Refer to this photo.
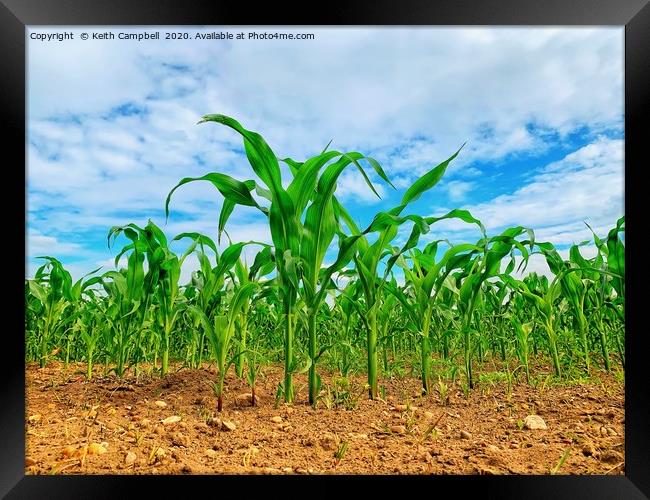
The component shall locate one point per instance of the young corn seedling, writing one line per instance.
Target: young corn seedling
(340, 452)
(220, 333)
(560, 463)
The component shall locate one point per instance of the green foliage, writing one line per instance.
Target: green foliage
(458, 305)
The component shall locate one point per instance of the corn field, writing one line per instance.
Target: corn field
(385, 300)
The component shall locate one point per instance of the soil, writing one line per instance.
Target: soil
(111, 426)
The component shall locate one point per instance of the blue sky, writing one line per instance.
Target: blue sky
(112, 128)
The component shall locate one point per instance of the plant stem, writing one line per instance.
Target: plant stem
(426, 352)
(311, 327)
(288, 346)
(372, 355)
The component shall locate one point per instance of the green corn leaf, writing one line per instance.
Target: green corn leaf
(232, 189)
(427, 181)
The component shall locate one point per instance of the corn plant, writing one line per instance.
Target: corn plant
(53, 292)
(299, 247)
(220, 332)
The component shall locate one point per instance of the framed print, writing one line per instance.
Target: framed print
(386, 245)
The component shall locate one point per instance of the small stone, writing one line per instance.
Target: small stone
(215, 422)
(29, 462)
(603, 431)
(161, 404)
(276, 420)
(130, 458)
(398, 429)
(287, 470)
(34, 418)
(210, 453)
(493, 448)
(429, 415)
(171, 420)
(534, 422)
(400, 408)
(111, 426)
(228, 426)
(160, 453)
(465, 435)
(611, 432)
(355, 435)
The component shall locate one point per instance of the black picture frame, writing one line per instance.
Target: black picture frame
(15, 15)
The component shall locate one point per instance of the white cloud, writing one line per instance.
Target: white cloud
(40, 244)
(352, 186)
(537, 263)
(586, 185)
(458, 190)
(409, 97)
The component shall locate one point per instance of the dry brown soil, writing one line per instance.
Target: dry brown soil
(111, 426)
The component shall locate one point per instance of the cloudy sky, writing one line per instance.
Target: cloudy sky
(112, 128)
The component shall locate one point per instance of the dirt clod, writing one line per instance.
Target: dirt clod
(180, 439)
(244, 399)
(611, 457)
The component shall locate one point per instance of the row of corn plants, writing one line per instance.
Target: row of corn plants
(325, 290)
